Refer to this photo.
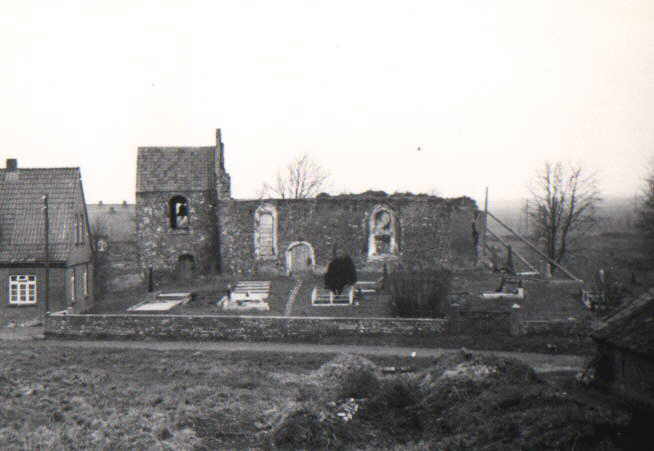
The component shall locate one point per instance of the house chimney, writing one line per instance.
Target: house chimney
(12, 164)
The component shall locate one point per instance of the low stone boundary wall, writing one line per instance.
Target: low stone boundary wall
(275, 328)
(562, 328)
(238, 328)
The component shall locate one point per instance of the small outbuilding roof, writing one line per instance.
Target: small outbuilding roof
(22, 223)
(631, 327)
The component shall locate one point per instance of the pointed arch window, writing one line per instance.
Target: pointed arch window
(382, 239)
(178, 212)
(265, 232)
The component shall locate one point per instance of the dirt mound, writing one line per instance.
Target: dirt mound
(464, 401)
(347, 376)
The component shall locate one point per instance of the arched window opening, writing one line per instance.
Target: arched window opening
(265, 231)
(178, 212)
(383, 233)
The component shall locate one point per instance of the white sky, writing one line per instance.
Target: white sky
(488, 89)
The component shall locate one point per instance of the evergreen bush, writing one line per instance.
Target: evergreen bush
(341, 272)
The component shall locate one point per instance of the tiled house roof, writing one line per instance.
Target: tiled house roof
(21, 213)
(175, 168)
(631, 327)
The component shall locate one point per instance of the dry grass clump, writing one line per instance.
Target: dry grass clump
(464, 401)
(329, 399)
(346, 376)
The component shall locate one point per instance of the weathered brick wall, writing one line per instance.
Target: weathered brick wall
(160, 246)
(431, 231)
(241, 328)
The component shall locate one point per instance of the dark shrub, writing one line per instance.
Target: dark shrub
(419, 294)
(340, 273)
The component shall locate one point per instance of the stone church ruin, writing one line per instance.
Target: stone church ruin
(188, 223)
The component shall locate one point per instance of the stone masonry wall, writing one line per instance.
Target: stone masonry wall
(278, 328)
(160, 246)
(427, 229)
(243, 328)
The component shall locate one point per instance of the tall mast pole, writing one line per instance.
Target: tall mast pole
(46, 230)
(483, 236)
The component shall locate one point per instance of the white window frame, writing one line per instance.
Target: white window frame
(25, 283)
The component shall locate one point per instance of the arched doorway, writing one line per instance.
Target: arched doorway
(186, 266)
(300, 257)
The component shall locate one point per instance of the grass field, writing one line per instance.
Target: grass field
(57, 397)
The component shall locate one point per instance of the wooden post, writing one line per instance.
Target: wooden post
(46, 230)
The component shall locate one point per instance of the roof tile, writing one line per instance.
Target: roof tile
(21, 213)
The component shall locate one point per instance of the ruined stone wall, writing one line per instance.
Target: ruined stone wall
(430, 231)
(160, 246)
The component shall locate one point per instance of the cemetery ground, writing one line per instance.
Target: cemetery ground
(58, 396)
(545, 301)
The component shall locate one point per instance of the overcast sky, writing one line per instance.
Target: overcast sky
(487, 89)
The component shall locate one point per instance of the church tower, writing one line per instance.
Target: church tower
(178, 190)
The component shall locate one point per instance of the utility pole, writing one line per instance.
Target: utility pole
(46, 228)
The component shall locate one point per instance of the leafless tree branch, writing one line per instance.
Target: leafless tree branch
(302, 178)
(565, 197)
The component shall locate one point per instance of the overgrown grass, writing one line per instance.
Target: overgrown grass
(464, 401)
(57, 397)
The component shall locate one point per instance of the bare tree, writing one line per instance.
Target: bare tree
(301, 179)
(565, 197)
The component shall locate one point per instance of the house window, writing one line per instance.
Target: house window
(178, 212)
(22, 290)
(382, 240)
(265, 231)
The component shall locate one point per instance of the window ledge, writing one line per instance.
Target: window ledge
(264, 258)
(23, 304)
(383, 257)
